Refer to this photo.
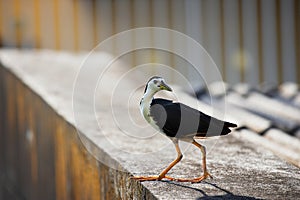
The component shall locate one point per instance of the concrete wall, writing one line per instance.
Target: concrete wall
(41, 156)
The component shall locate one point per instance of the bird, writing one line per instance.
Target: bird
(178, 122)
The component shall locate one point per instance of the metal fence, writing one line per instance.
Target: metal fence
(252, 41)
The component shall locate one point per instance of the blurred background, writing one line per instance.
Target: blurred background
(251, 41)
(256, 42)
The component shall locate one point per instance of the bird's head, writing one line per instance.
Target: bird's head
(156, 84)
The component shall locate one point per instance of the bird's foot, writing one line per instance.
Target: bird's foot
(152, 178)
(195, 180)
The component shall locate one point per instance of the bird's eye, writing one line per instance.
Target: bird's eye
(155, 82)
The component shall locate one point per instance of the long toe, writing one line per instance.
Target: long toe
(191, 180)
(201, 178)
(194, 180)
(198, 180)
(145, 178)
(209, 175)
(170, 178)
(152, 178)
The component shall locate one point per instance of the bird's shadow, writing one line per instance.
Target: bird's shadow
(228, 195)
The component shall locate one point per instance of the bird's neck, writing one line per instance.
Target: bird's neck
(148, 96)
(146, 103)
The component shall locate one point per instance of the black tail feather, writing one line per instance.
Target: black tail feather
(228, 124)
(226, 127)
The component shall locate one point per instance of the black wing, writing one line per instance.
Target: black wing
(182, 121)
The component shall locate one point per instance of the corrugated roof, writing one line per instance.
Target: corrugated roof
(272, 113)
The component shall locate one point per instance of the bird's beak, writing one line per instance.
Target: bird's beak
(164, 86)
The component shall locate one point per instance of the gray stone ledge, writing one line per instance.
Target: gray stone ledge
(241, 169)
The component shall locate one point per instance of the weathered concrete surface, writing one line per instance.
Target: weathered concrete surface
(241, 169)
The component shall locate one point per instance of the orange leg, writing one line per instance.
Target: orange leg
(165, 171)
(205, 172)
